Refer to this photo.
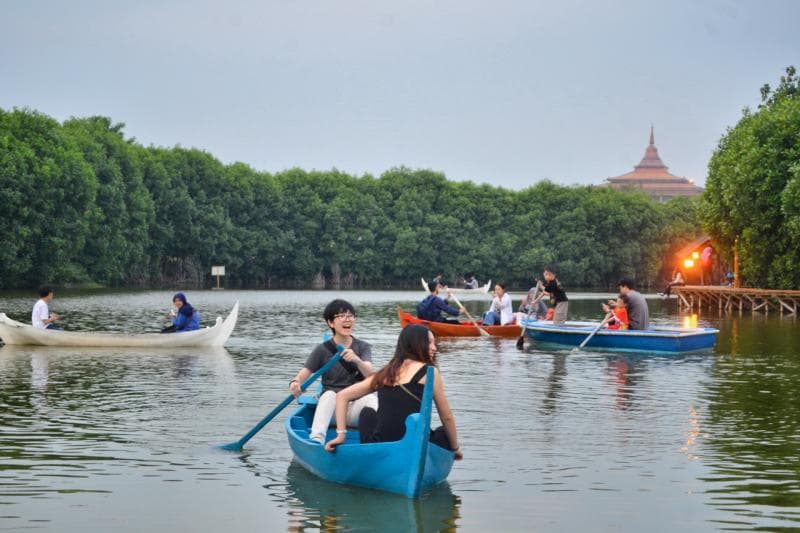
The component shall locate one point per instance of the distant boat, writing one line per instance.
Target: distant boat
(407, 467)
(13, 332)
(658, 339)
(480, 290)
(463, 329)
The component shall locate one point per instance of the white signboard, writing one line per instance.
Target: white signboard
(217, 270)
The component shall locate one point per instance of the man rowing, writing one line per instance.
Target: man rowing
(432, 307)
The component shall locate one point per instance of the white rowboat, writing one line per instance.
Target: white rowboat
(480, 290)
(13, 332)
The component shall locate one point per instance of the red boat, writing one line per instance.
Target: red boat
(463, 329)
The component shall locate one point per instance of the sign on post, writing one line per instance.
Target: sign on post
(218, 271)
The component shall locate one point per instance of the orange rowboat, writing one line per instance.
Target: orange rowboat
(464, 329)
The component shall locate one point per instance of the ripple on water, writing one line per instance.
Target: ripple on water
(553, 439)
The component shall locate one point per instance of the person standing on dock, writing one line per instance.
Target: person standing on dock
(638, 313)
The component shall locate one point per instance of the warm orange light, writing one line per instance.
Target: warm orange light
(695, 255)
(690, 321)
(688, 263)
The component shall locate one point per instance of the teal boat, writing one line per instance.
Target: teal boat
(658, 339)
(407, 467)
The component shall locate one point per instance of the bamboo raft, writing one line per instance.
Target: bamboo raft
(731, 298)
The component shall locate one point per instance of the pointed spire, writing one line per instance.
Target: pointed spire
(651, 159)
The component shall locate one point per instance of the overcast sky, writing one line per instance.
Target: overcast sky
(503, 92)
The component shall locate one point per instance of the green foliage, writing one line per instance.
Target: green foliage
(753, 188)
(81, 202)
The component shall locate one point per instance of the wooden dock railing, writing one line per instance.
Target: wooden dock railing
(730, 298)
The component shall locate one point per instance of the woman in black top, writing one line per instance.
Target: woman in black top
(399, 385)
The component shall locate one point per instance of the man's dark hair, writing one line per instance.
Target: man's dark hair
(551, 269)
(44, 290)
(626, 282)
(433, 285)
(336, 307)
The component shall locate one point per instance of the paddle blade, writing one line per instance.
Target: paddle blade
(521, 343)
(231, 447)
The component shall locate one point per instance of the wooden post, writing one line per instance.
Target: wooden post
(736, 283)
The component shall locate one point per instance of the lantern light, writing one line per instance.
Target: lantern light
(688, 263)
(695, 255)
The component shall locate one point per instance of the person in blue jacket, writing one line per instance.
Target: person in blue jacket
(432, 307)
(187, 317)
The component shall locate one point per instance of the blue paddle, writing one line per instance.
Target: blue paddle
(237, 446)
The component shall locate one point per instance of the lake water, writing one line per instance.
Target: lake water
(124, 439)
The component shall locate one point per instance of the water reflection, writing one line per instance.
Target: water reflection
(625, 371)
(315, 504)
(555, 440)
(554, 382)
(752, 430)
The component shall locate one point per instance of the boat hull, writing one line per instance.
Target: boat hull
(407, 467)
(17, 333)
(664, 340)
(464, 329)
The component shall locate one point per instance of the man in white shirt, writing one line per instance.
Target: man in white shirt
(41, 317)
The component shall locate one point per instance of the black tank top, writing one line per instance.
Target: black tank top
(394, 406)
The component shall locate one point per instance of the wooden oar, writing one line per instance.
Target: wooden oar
(608, 317)
(483, 332)
(237, 446)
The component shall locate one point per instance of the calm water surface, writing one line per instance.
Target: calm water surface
(123, 439)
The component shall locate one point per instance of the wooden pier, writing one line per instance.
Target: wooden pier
(730, 298)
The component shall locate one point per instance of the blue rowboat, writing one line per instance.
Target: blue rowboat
(658, 339)
(407, 467)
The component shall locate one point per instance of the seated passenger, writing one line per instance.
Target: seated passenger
(471, 282)
(432, 307)
(399, 385)
(501, 311)
(527, 305)
(619, 312)
(187, 317)
(41, 318)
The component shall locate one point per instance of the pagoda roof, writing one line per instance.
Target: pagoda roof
(653, 175)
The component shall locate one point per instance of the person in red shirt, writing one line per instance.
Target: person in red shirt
(620, 311)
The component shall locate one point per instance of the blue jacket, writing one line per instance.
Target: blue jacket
(185, 322)
(431, 308)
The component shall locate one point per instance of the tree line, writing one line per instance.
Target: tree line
(752, 197)
(81, 202)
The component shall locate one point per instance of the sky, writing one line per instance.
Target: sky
(500, 92)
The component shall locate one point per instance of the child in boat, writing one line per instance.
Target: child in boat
(556, 293)
(399, 386)
(620, 312)
(354, 366)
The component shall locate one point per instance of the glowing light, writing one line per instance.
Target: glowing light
(695, 255)
(690, 321)
(688, 263)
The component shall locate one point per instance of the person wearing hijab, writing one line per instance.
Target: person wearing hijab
(187, 317)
